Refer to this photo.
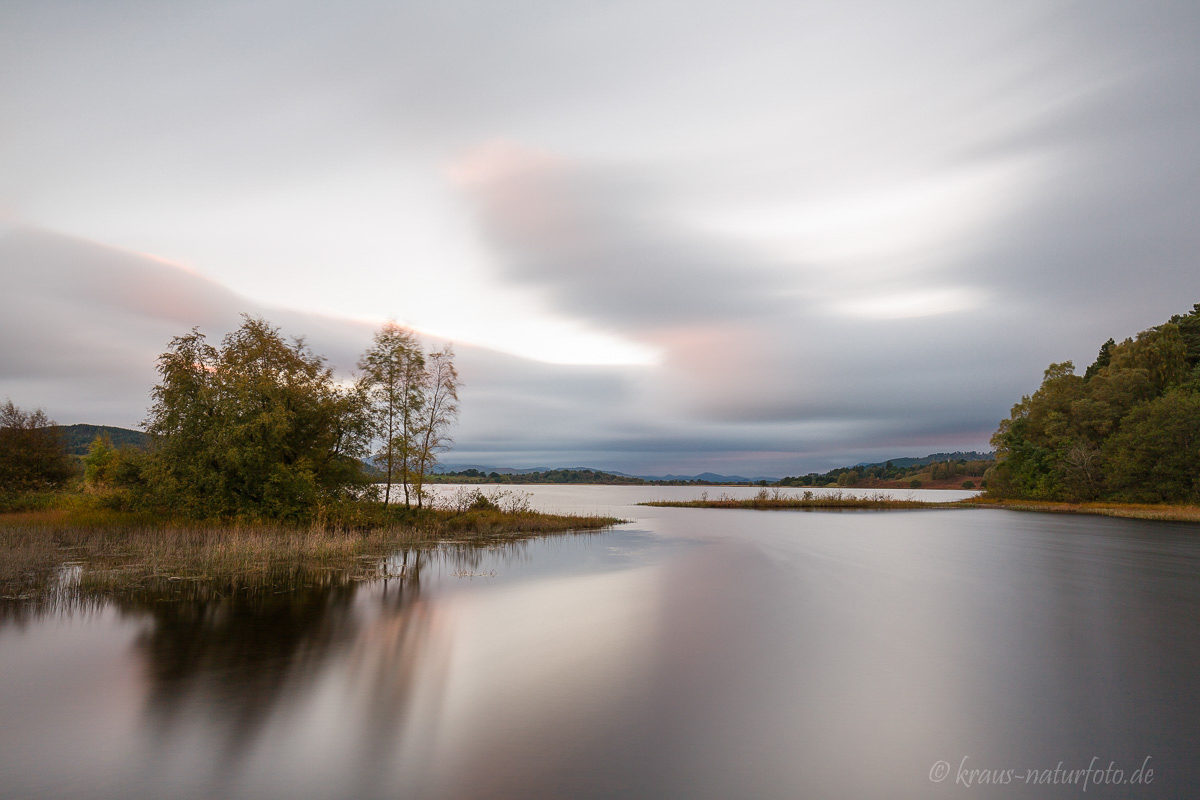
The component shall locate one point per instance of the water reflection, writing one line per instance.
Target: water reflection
(694, 654)
(232, 658)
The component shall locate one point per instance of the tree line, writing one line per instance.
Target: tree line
(960, 470)
(259, 427)
(582, 476)
(1128, 429)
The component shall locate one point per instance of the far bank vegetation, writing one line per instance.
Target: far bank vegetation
(1125, 431)
(938, 471)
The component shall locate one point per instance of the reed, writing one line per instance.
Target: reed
(100, 550)
(809, 501)
(1156, 511)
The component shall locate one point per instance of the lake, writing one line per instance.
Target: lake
(691, 653)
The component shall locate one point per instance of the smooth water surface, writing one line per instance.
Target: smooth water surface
(689, 653)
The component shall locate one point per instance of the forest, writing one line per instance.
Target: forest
(938, 471)
(1126, 430)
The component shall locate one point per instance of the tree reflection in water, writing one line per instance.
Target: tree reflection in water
(228, 661)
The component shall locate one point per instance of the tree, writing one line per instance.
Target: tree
(1155, 456)
(393, 383)
(440, 408)
(1103, 358)
(32, 454)
(99, 465)
(258, 427)
(1161, 351)
(1125, 430)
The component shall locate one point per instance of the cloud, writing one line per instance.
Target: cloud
(83, 324)
(741, 339)
(778, 233)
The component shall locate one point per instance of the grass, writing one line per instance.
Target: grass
(810, 501)
(106, 552)
(781, 501)
(1153, 511)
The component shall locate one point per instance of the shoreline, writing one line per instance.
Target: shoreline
(1160, 512)
(1142, 511)
(107, 553)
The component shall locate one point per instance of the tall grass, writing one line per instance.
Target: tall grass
(778, 500)
(1155, 511)
(120, 551)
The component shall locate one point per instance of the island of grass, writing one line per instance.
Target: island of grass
(809, 501)
(778, 500)
(85, 550)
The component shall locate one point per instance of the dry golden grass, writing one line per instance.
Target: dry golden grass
(1170, 513)
(119, 551)
(809, 501)
(1173, 513)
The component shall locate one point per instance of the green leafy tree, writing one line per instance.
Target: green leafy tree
(1155, 456)
(1189, 332)
(393, 383)
(99, 465)
(1122, 431)
(1023, 467)
(32, 453)
(258, 427)
(1160, 351)
(1038, 426)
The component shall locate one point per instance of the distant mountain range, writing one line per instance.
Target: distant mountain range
(713, 477)
(79, 437)
(710, 477)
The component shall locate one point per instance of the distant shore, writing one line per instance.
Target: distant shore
(778, 500)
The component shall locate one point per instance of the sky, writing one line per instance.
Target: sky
(755, 238)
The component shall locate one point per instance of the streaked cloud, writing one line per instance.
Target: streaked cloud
(760, 233)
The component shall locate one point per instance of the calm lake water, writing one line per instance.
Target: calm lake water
(689, 653)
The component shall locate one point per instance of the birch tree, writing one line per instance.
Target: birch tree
(440, 408)
(393, 377)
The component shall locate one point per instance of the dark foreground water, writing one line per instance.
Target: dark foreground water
(692, 653)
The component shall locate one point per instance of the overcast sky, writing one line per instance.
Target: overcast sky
(751, 237)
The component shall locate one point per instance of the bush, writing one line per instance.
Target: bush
(32, 454)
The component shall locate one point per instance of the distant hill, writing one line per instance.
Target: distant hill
(603, 476)
(707, 477)
(934, 471)
(929, 459)
(486, 470)
(79, 437)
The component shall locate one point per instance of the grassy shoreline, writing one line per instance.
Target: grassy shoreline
(1168, 513)
(806, 503)
(112, 552)
(1162, 512)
